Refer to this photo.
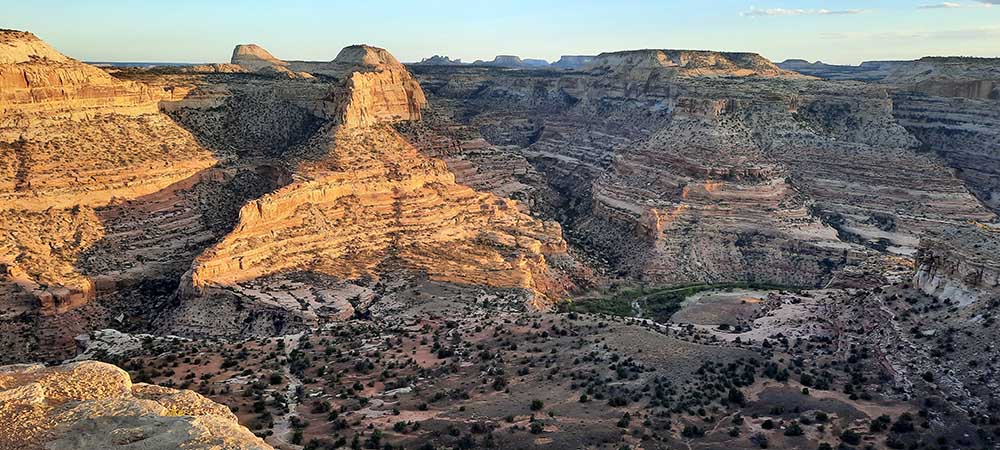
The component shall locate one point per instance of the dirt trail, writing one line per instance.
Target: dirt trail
(282, 437)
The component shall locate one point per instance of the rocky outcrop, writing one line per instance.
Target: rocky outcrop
(387, 96)
(73, 138)
(253, 58)
(572, 62)
(964, 132)
(92, 405)
(513, 62)
(379, 90)
(35, 78)
(438, 60)
(364, 202)
(960, 264)
(643, 63)
(367, 57)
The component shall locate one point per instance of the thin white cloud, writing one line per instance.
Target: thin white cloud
(941, 6)
(978, 4)
(758, 12)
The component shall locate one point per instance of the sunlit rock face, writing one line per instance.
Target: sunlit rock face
(254, 57)
(641, 63)
(34, 77)
(93, 405)
(72, 140)
(364, 202)
(108, 197)
(380, 91)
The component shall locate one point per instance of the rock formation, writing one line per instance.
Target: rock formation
(965, 132)
(72, 139)
(697, 177)
(381, 90)
(36, 78)
(960, 264)
(92, 405)
(364, 202)
(438, 60)
(973, 78)
(572, 62)
(513, 62)
(255, 58)
(640, 63)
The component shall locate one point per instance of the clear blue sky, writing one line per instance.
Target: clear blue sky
(843, 31)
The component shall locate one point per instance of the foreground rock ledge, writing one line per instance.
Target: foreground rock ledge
(94, 405)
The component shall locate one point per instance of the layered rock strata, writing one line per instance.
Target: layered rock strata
(364, 202)
(36, 78)
(254, 58)
(640, 63)
(73, 139)
(92, 405)
(672, 173)
(964, 132)
(960, 264)
(572, 62)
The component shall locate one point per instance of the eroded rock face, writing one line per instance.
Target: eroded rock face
(364, 202)
(254, 57)
(386, 96)
(964, 132)
(73, 139)
(640, 63)
(93, 405)
(35, 78)
(960, 264)
(697, 177)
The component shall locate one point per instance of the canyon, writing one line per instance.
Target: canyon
(332, 250)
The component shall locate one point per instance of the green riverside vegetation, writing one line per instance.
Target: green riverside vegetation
(657, 303)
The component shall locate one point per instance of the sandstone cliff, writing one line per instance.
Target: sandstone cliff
(364, 202)
(702, 178)
(960, 264)
(92, 405)
(74, 138)
(965, 132)
(386, 96)
(75, 146)
(35, 78)
(572, 61)
(254, 58)
(642, 63)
